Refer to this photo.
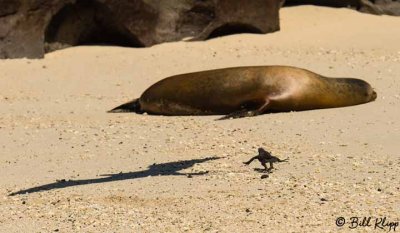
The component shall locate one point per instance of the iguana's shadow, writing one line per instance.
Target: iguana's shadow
(162, 169)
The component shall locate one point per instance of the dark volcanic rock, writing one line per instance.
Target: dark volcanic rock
(29, 28)
(378, 7)
(8, 7)
(332, 3)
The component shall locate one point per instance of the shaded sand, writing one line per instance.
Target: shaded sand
(89, 171)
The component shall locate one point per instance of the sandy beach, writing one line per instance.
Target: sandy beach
(76, 168)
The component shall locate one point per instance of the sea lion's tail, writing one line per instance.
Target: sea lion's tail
(131, 106)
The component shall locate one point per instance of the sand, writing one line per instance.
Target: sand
(90, 171)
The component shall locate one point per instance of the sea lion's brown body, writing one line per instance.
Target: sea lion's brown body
(248, 91)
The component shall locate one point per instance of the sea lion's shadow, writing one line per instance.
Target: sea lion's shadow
(162, 169)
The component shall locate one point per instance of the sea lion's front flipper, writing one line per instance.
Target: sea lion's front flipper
(239, 114)
(247, 113)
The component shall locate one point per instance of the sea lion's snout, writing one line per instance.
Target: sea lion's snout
(373, 95)
(369, 92)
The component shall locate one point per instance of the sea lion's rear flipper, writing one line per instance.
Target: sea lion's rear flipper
(131, 106)
(247, 113)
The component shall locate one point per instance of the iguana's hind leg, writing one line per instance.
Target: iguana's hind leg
(251, 160)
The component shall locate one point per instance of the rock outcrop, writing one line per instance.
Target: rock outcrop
(29, 28)
(378, 7)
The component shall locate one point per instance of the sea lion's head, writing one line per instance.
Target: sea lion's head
(356, 91)
(367, 93)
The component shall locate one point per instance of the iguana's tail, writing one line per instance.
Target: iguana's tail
(131, 106)
(283, 160)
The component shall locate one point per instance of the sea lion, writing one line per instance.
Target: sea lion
(248, 91)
